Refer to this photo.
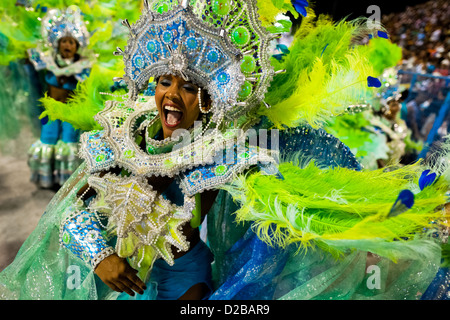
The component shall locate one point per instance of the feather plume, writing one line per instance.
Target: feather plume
(325, 74)
(268, 10)
(338, 209)
(382, 54)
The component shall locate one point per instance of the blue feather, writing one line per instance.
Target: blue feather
(403, 203)
(373, 82)
(383, 34)
(324, 49)
(278, 56)
(299, 6)
(283, 48)
(426, 179)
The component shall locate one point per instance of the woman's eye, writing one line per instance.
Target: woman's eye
(190, 88)
(165, 83)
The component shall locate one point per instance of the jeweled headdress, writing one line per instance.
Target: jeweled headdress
(219, 45)
(58, 24)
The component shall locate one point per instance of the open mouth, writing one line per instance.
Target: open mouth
(173, 116)
(66, 52)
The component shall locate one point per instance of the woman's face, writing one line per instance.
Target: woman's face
(67, 47)
(177, 103)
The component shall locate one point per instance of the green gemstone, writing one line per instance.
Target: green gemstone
(163, 8)
(151, 47)
(66, 238)
(240, 35)
(221, 170)
(248, 64)
(244, 155)
(167, 37)
(196, 176)
(100, 157)
(168, 163)
(221, 7)
(222, 77)
(191, 43)
(128, 154)
(151, 149)
(246, 90)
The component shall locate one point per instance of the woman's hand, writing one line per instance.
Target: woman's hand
(117, 274)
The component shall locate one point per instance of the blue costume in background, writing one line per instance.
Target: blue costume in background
(53, 158)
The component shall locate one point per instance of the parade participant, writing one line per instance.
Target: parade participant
(53, 158)
(129, 219)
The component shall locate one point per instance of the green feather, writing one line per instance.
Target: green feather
(333, 208)
(324, 74)
(382, 54)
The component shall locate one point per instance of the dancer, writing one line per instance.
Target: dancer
(310, 221)
(53, 158)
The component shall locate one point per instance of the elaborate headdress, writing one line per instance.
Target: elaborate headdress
(58, 24)
(219, 45)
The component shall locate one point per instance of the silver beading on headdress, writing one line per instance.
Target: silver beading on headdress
(219, 45)
(69, 23)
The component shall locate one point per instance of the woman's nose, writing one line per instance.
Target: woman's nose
(172, 93)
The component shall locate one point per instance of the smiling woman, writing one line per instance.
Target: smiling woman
(133, 213)
(177, 101)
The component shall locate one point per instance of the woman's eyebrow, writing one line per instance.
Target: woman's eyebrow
(190, 83)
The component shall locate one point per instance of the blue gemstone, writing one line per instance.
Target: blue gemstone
(191, 43)
(167, 37)
(223, 77)
(139, 61)
(213, 56)
(151, 46)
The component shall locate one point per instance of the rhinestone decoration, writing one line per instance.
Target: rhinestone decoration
(239, 20)
(142, 220)
(45, 60)
(115, 145)
(177, 42)
(58, 24)
(81, 233)
(223, 168)
(210, 34)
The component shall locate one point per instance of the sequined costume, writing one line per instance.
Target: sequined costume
(295, 217)
(53, 158)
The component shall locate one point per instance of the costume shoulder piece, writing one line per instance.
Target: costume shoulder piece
(204, 162)
(44, 60)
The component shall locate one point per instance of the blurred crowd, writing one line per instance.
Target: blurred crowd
(422, 32)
